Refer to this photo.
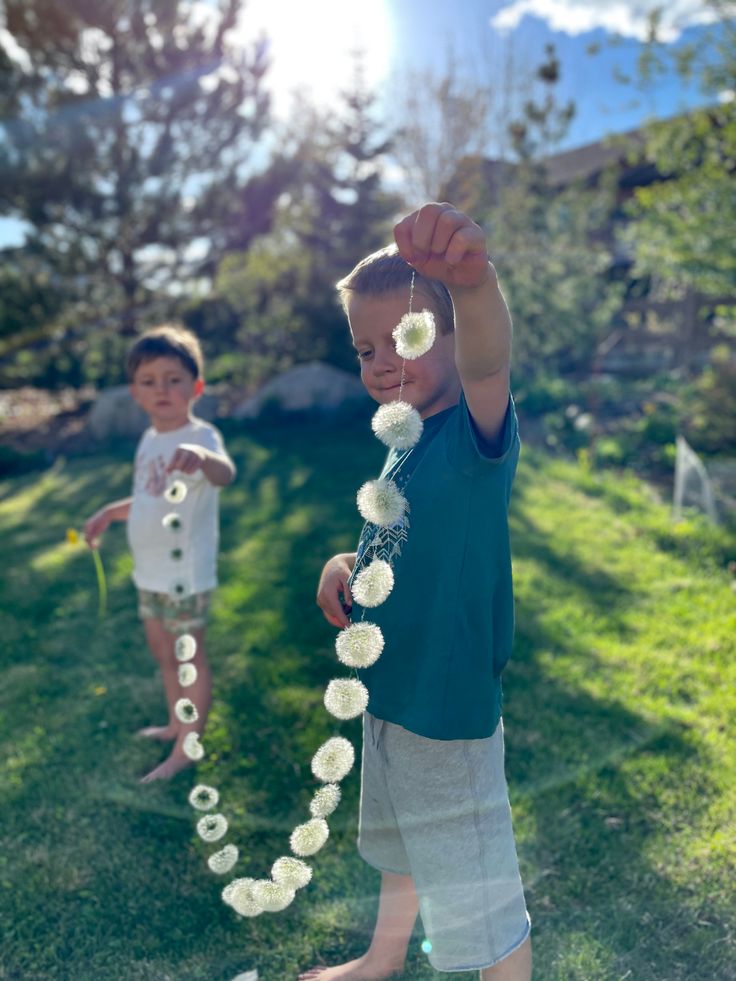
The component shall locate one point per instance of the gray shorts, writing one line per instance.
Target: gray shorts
(438, 810)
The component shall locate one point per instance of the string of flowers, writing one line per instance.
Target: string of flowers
(399, 426)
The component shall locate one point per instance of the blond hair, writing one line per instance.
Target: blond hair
(385, 271)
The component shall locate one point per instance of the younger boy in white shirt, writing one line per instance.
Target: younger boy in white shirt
(174, 542)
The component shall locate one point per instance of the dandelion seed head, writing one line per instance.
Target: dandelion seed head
(307, 839)
(333, 760)
(204, 798)
(239, 895)
(176, 491)
(185, 710)
(291, 872)
(212, 827)
(381, 502)
(414, 334)
(187, 675)
(398, 425)
(271, 896)
(185, 647)
(222, 861)
(172, 521)
(359, 645)
(192, 747)
(373, 584)
(325, 800)
(346, 698)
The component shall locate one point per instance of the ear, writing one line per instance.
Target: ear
(198, 387)
(133, 395)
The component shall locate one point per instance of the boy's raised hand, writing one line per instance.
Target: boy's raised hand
(443, 243)
(187, 458)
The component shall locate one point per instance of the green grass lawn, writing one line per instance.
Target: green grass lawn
(620, 705)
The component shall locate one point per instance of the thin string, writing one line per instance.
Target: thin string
(403, 360)
(395, 472)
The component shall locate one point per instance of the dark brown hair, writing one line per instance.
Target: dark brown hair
(166, 341)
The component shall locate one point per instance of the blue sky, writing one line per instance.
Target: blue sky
(604, 105)
(311, 45)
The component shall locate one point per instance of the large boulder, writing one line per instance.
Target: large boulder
(311, 387)
(115, 415)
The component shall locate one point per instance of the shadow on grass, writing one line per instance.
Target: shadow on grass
(106, 880)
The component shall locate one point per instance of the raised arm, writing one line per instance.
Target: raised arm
(443, 243)
(218, 468)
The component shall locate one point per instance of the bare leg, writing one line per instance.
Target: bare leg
(397, 911)
(162, 644)
(516, 967)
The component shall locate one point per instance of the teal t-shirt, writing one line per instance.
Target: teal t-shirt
(448, 623)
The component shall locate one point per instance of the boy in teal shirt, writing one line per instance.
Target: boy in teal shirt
(435, 818)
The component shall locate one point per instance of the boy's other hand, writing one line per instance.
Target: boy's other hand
(333, 593)
(187, 458)
(94, 528)
(443, 243)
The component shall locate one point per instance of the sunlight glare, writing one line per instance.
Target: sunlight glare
(310, 44)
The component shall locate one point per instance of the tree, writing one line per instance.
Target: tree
(444, 116)
(132, 122)
(334, 211)
(546, 239)
(681, 229)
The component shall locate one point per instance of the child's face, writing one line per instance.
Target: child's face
(165, 389)
(431, 383)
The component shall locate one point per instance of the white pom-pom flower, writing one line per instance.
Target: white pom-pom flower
(212, 827)
(291, 872)
(414, 334)
(172, 521)
(373, 584)
(325, 800)
(187, 675)
(185, 710)
(381, 502)
(185, 647)
(359, 645)
(346, 698)
(307, 839)
(204, 798)
(239, 895)
(333, 760)
(271, 896)
(176, 491)
(398, 425)
(222, 861)
(192, 747)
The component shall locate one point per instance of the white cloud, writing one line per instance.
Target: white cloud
(628, 18)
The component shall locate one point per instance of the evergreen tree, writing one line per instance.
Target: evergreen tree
(128, 124)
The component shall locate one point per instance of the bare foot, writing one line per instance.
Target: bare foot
(164, 733)
(171, 765)
(360, 969)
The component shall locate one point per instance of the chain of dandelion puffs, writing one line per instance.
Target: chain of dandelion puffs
(359, 645)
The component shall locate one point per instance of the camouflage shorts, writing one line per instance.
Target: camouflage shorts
(178, 616)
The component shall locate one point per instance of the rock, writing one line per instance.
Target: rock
(115, 415)
(310, 387)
